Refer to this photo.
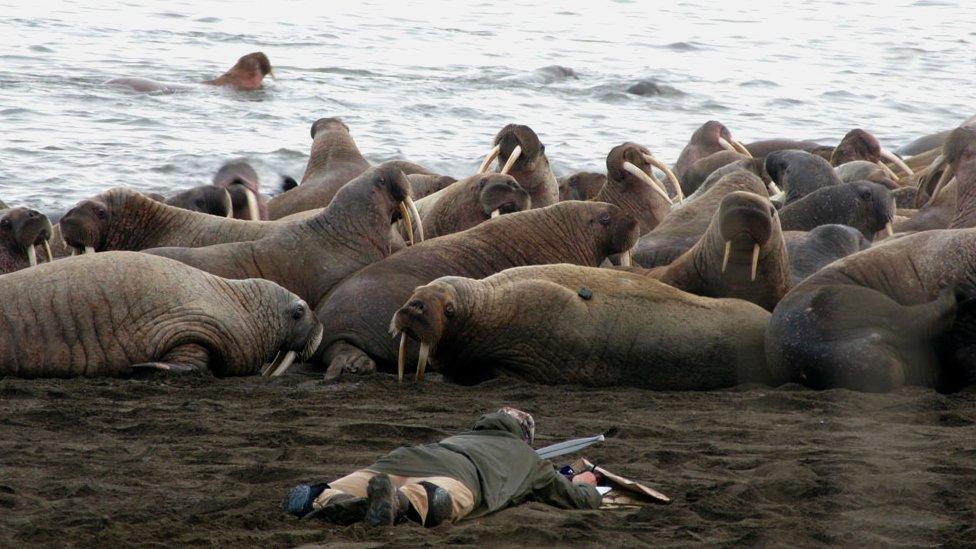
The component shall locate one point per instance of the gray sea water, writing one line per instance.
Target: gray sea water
(433, 81)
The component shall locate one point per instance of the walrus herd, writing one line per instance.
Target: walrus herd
(775, 261)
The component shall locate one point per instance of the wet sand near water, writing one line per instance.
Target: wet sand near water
(197, 461)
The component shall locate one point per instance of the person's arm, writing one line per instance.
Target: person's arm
(554, 489)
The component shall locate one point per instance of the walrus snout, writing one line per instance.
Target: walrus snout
(623, 228)
(423, 318)
(521, 136)
(84, 226)
(25, 228)
(501, 194)
(747, 218)
(878, 203)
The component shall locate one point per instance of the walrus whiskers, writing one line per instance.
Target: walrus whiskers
(492, 155)
(252, 205)
(885, 153)
(516, 153)
(402, 356)
(422, 359)
(31, 256)
(640, 174)
(667, 171)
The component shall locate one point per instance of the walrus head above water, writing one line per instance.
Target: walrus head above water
(632, 164)
(246, 74)
(20, 230)
(523, 156)
(84, 227)
(709, 138)
(241, 182)
(858, 144)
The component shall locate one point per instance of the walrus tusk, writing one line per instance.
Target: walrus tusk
(286, 363)
(266, 368)
(32, 256)
(422, 360)
(492, 155)
(407, 223)
(888, 229)
(741, 148)
(89, 249)
(416, 218)
(640, 174)
(516, 153)
(947, 174)
(667, 171)
(252, 205)
(728, 252)
(47, 251)
(625, 260)
(74, 252)
(755, 262)
(497, 212)
(726, 145)
(885, 153)
(773, 189)
(402, 356)
(887, 171)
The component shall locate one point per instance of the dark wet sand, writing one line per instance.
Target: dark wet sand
(196, 461)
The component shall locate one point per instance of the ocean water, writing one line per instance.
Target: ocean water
(433, 81)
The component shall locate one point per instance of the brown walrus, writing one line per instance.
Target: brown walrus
(110, 314)
(632, 186)
(698, 172)
(569, 324)
(710, 138)
(357, 312)
(866, 206)
(858, 144)
(742, 254)
(755, 166)
(208, 199)
(241, 181)
(521, 155)
(688, 221)
(469, 202)
(765, 146)
(423, 184)
(246, 75)
(21, 229)
(581, 185)
(882, 318)
(310, 257)
(958, 166)
(862, 170)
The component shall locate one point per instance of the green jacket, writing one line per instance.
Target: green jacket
(495, 463)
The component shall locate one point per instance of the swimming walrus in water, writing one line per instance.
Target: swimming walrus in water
(631, 185)
(882, 318)
(866, 206)
(356, 314)
(581, 185)
(812, 250)
(114, 313)
(521, 155)
(21, 229)
(208, 199)
(247, 74)
(241, 181)
(311, 256)
(557, 324)
(742, 255)
(468, 202)
(710, 138)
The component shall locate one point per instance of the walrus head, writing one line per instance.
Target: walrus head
(616, 230)
(581, 186)
(241, 181)
(875, 205)
(84, 227)
(425, 318)
(247, 73)
(858, 144)
(390, 181)
(714, 134)
(632, 164)
(521, 153)
(330, 123)
(501, 194)
(747, 221)
(302, 333)
(208, 199)
(20, 230)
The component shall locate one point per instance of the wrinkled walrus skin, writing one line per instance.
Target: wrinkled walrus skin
(104, 314)
(569, 324)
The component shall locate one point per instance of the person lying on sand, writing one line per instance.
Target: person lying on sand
(471, 474)
(246, 75)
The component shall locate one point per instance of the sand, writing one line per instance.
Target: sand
(201, 461)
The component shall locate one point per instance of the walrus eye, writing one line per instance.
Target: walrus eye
(100, 213)
(866, 195)
(605, 220)
(542, 148)
(298, 313)
(5, 224)
(449, 310)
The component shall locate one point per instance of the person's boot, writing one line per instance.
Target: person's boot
(440, 506)
(387, 505)
(298, 501)
(342, 509)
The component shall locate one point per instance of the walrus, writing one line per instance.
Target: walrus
(310, 257)
(958, 166)
(881, 318)
(932, 141)
(422, 184)
(631, 185)
(241, 181)
(710, 138)
(125, 219)
(810, 251)
(698, 172)
(521, 155)
(858, 144)
(765, 146)
(862, 170)
(742, 254)
(557, 324)
(116, 313)
(866, 206)
(755, 166)
(581, 185)
(471, 201)
(208, 199)
(682, 228)
(247, 74)
(21, 229)
(356, 314)
(798, 173)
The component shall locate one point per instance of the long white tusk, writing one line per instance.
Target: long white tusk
(755, 262)
(728, 252)
(516, 153)
(31, 255)
(422, 361)
(89, 249)
(407, 223)
(887, 171)
(625, 260)
(47, 251)
(252, 205)
(947, 175)
(492, 155)
(889, 229)
(497, 212)
(726, 145)
(741, 148)
(640, 174)
(885, 153)
(230, 205)
(285, 364)
(416, 218)
(267, 368)
(402, 356)
(667, 171)
(773, 189)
